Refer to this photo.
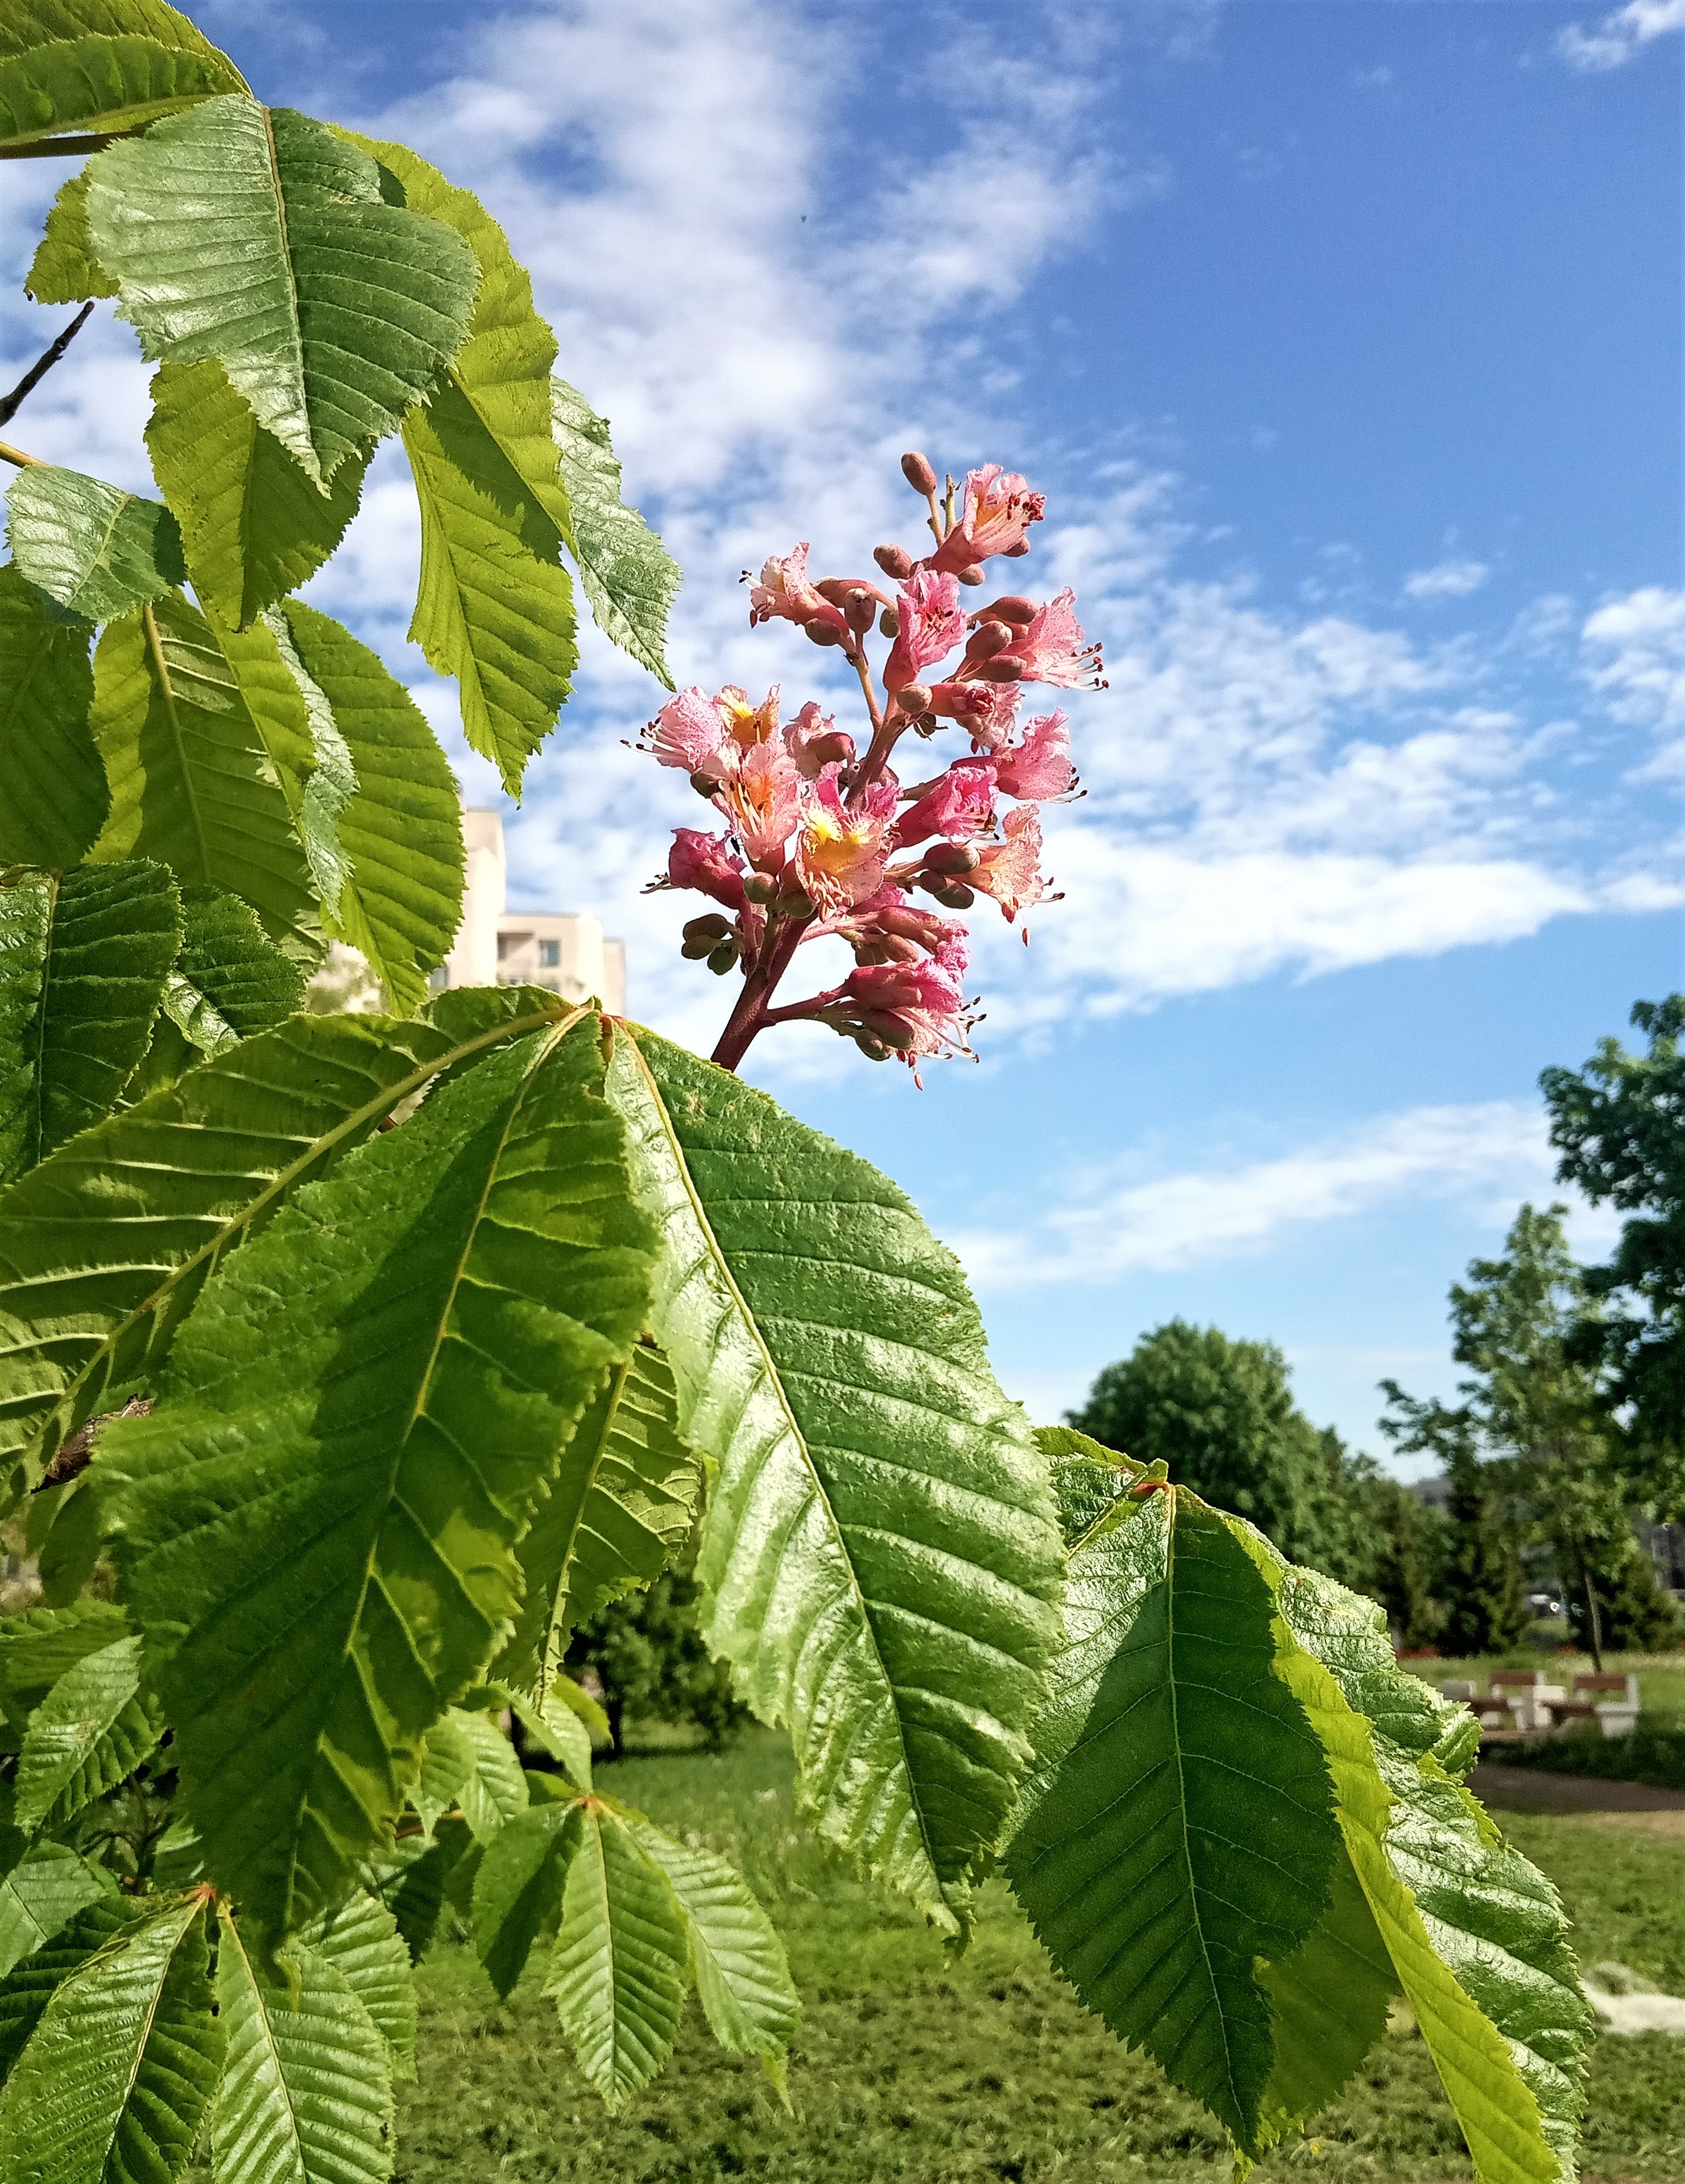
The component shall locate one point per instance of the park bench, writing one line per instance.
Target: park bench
(1532, 1705)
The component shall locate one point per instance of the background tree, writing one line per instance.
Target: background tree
(647, 1653)
(1221, 1415)
(1619, 1124)
(1478, 1582)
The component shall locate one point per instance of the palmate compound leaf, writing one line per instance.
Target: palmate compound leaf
(92, 1730)
(121, 2067)
(306, 2095)
(101, 65)
(400, 832)
(95, 551)
(494, 607)
(105, 1246)
(56, 798)
(618, 1509)
(254, 525)
(193, 783)
(91, 949)
(259, 238)
(621, 1965)
(629, 576)
(879, 1552)
(741, 1973)
(1179, 1824)
(317, 1537)
(1476, 1935)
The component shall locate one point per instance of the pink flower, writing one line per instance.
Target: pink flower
(1052, 649)
(688, 732)
(985, 709)
(1038, 768)
(994, 517)
(840, 854)
(957, 806)
(785, 593)
(913, 1008)
(889, 927)
(762, 802)
(806, 740)
(1010, 870)
(932, 624)
(746, 724)
(705, 862)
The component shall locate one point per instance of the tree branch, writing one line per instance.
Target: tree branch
(10, 404)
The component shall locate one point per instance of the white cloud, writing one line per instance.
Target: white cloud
(1633, 654)
(1447, 580)
(1489, 1156)
(1623, 33)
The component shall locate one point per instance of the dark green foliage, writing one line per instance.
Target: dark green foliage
(1409, 1543)
(1648, 1754)
(647, 1653)
(1221, 1415)
(1478, 1584)
(1635, 1613)
(1619, 1124)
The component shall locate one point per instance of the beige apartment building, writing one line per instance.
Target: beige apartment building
(567, 953)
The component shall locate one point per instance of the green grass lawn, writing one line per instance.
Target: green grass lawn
(912, 2062)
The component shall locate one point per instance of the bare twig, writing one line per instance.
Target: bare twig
(24, 461)
(10, 404)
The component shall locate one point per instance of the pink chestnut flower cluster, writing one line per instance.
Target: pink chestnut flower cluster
(822, 838)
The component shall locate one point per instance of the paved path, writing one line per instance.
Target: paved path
(1532, 1789)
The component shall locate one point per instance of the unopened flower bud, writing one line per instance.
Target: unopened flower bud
(694, 951)
(1020, 612)
(705, 784)
(887, 1028)
(1000, 670)
(835, 589)
(873, 1048)
(724, 958)
(913, 699)
(795, 904)
(917, 471)
(988, 639)
(835, 748)
(894, 561)
(858, 608)
(974, 575)
(889, 622)
(712, 927)
(1015, 553)
(823, 633)
(955, 896)
(951, 857)
(759, 887)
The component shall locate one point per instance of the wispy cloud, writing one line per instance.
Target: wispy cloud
(1620, 36)
(1446, 579)
(1634, 656)
(1488, 1156)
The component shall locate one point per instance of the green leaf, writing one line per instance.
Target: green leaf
(39, 1647)
(1179, 1822)
(62, 269)
(412, 1878)
(492, 1790)
(317, 1537)
(101, 65)
(96, 550)
(741, 1975)
(192, 780)
(97, 944)
(104, 1246)
(306, 2094)
(447, 1763)
(618, 1509)
(564, 1692)
(621, 1964)
(229, 231)
(237, 980)
(495, 606)
(1475, 1934)
(630, 577)
(254, 525)
(70, 1549)
(360, 1939)
(555, 1728)
(43, 1885)
(89, 1733)
(518, 1890)
(878, 1549)
(31, 1985)
(400, 833)
(56, 798)
(119, 2072)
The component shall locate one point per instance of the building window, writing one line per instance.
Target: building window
(503, 945)
(549, 954)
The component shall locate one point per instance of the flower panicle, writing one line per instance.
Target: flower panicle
(818, 838)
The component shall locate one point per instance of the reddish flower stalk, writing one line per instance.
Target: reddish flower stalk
(810, 827)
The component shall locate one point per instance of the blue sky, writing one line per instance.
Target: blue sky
(1344, 338)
